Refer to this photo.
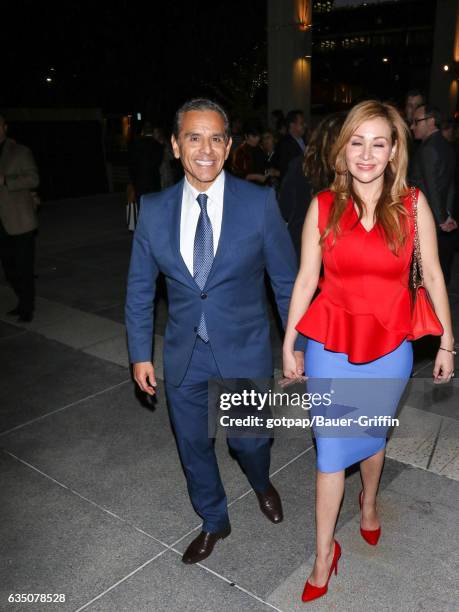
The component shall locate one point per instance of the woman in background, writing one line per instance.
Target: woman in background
(308, 175)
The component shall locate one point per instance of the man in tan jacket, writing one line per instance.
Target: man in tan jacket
(18, 220)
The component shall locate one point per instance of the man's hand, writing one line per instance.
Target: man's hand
(449, 225)
(299, 358)
(144, 376)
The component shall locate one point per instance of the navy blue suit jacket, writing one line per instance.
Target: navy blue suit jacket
(254, 238)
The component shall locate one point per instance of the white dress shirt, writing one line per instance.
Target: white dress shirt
(190, 215)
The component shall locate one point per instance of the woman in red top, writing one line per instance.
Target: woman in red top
(359, 325)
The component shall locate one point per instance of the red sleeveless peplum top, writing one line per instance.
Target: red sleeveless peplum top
(364, 306)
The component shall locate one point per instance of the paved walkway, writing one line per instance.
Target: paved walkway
(94, 502)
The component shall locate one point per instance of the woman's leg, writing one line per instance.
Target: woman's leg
(329, 493)
(370, 471)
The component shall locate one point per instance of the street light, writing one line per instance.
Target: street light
(446, 67)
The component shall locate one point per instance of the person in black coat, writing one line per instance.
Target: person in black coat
(433, 171)
(292, 144)
(145, 156)
(308, 174)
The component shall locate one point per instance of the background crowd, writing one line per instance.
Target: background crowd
(287, 155)
(293, 158)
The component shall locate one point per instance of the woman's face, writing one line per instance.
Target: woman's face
(252, 139)
(369, 150)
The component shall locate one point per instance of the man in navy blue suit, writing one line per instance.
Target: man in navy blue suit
(212, 236)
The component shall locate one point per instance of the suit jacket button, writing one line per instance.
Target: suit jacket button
(203, 296)
(195, 329)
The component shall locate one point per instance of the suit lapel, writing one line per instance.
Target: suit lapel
(228, 232)
(229, 226)
(175, 207)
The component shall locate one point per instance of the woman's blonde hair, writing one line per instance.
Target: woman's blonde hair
(390, 211)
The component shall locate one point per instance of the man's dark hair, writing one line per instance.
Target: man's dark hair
(252, 129)
(414, 93)
(200, 104)
(447, 123)
(434, 112)
(292, 116)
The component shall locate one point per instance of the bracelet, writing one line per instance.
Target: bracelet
(453, 352)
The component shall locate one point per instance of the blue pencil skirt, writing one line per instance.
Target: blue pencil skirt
(364, 399)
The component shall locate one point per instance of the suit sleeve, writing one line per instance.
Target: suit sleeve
(281, 260)
(25, 174)
(141, 289)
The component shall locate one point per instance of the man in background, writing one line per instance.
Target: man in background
(292, 144)
(413, 99)
(145, 157)
(433, 172)
(18, 221)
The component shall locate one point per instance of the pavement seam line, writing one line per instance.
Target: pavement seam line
(88, 346)
(108, 308)
(434, 447)
(83, 399)
(243, 494)
(420, 467)
(416, 372)
(273, 473)
(231, 582)
(21, 333)
(86, 499)
(113, 586)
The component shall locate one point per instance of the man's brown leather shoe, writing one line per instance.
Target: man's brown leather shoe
(202, 546)
(270, 504)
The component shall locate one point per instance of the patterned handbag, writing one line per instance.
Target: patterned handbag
(424, 321)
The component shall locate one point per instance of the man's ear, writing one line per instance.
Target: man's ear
(175, 147)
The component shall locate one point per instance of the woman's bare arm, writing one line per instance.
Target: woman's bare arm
(435, 285)
(306, 280)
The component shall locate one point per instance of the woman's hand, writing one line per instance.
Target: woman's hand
(444, 367)
(293, 363)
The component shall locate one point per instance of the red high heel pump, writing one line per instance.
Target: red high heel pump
(311, 591)
(369, 535)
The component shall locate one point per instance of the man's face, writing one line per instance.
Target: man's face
(297, 128)
(411, 104)
(202, 147)
(3, 129)
(448, 133)
(422, 126)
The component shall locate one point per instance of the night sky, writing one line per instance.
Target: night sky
(123, 58)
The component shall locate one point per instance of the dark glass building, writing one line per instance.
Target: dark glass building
(379, 50)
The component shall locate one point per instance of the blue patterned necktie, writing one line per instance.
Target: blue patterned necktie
(203, 255)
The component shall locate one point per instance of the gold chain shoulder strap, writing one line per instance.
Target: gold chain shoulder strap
(417, 274)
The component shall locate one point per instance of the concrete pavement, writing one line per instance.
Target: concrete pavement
(94, 502)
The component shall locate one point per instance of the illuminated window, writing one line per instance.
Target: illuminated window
(322, 6)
